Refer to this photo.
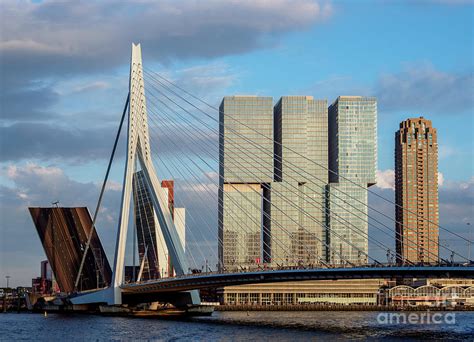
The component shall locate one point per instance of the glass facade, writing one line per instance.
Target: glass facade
(301, 126)
(242, 178)
(147, 234)
(241, 226)
(306, 215)
(301, 135)
(347, 222)
(306, 292)
(284, 225)
(246, 128)
(353, 139)
(353, 158)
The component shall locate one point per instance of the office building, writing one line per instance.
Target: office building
(416, 191)
(298, 229)
(283, 220)
(242, 180)
(272, 199)
(246, 126)
(352, 163)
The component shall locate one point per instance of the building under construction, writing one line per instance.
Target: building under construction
(64, 233)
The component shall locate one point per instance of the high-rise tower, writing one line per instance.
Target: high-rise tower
(352, 165)
(271, 199)
(243, 181)
(297, 228)
(416, 191)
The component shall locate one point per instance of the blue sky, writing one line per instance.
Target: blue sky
(349, 52)
(64, 78)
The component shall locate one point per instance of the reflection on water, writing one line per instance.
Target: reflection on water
(229, 326)
(353, 324)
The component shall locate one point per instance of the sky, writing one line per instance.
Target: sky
(64, 79)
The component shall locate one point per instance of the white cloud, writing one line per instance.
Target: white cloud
(38, 185)
(467, 185)
(30, 46)
(14, 172)
(456, 205)
(56, 37)
(112, 185)
(23, 196)
(385, 179)
(440, 179)
(91, 86)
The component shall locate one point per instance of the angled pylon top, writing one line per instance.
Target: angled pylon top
(138, 124)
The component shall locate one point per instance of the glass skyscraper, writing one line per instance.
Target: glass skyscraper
(272, 199)
(283, 229)
(353, 160)
(245, 169)
(298, 229)
(241, 226)
(246, 129)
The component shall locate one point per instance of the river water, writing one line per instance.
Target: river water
(239, 326)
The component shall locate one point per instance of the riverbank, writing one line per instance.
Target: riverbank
(335, 307)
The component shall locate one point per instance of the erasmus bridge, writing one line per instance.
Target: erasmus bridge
(166, 110)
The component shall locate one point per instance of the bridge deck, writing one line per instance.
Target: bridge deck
(198, 281)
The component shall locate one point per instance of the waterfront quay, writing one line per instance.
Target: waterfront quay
(339, 307)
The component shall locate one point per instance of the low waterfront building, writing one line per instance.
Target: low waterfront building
(436, 293)
(346, 292)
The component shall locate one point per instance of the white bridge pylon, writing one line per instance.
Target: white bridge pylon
(138, 148)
